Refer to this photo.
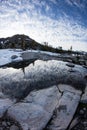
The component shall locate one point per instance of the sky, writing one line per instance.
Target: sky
(58, 22)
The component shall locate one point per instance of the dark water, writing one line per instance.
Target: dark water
(20, 79)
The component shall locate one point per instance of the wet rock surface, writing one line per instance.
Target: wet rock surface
(43, 95)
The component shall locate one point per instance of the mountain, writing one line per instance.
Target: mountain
(19, 41)
(23, 42)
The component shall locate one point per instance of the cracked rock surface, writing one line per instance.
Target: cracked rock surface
(45, 95)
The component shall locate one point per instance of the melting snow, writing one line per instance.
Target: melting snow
(6, 54)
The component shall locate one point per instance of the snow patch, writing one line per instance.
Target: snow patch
(6, 54)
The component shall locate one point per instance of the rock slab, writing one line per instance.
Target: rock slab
(65, 110)
(36, 110)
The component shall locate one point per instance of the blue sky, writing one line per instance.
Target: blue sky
(58, 22)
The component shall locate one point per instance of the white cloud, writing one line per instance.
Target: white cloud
(54, 1)
(77, 3)
(60, 32)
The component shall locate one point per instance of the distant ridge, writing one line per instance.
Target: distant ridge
(21, 41)
(24, 42)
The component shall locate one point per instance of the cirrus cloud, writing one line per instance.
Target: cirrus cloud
(28, 18)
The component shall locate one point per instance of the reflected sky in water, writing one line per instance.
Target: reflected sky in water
(42, 74)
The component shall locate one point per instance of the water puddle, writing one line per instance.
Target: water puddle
(19, 79)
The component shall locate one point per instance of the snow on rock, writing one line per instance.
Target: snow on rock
(6, 54)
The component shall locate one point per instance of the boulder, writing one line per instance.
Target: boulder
(14, 56)
(70, 65)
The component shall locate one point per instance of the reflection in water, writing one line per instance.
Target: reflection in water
(25, 65)
(23, 69)
(28, 76)
(20, 64)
